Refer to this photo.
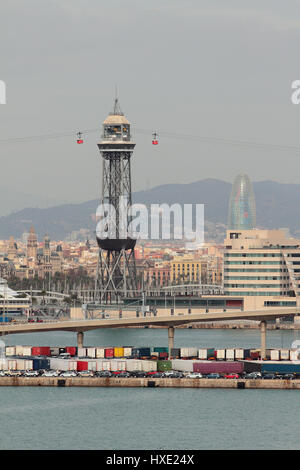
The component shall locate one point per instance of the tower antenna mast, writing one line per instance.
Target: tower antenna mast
(116, 273)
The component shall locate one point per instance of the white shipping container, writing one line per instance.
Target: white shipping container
(133, 364)
(19, 350)
(100, 353)
(127, 352)
(202, 354)
(72, 365)
(3, 364)
(26, 350)
(10, 351)
(275, 355)
(81, 352)
(92, 365)
(28, 364)
(193, 352)
(294, 355)
(221, 354)
(182, 365)
(184, 352)
(149, 366)
(239, 354)
(284, 355)
(91, 352)
(105, 365)
(117, 365)
(21, 364)
(230, 355)
(11, 364)
(59, 364)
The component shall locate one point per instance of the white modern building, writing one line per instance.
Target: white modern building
(12, 303)
(263, 266)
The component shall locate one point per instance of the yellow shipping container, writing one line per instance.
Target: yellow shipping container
(119, 352)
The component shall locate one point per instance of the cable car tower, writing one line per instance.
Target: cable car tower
(116, 273)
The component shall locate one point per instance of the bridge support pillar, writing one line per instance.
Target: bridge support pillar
(263, 339)
(171, 339)
(80, 339)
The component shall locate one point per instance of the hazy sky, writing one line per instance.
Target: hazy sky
(207, 68)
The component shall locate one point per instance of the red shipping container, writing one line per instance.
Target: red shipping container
(218, 367)
(40, 351)
(72, 350)
(163, 355)
(109, 352)
(82, 365)
(254, 355)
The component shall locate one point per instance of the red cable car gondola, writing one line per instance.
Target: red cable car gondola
(154, 138)
(79, 138)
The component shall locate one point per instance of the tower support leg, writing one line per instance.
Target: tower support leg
(263, 339)
(80, 339)
(171, 339)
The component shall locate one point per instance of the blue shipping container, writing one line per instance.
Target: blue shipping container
(280, 368)
(39, 363)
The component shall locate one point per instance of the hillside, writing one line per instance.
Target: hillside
(276, 204)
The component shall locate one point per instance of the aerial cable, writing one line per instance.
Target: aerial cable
(163, 134)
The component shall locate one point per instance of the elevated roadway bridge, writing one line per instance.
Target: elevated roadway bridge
(170, 321)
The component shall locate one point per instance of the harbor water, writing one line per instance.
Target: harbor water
(150, 418)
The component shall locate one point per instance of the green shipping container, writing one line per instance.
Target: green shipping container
(210, 353)
(164, 365)
(161, 350)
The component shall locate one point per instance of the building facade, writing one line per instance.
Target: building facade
(188, 270)
(263, 266)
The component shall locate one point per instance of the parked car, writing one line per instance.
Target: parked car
(68, 373)
(65, 355)
(168, 373)
(269, 376)
(231, 376)
(178, 375)
(194, 375)
(85, 373)
(213, 376)
(15, 373)
(31, 373)
(139, 374)
(2, 373)
(103, 373)
(50, 373)
(288, 377)
(123, 374)
(253, 375)
(157, 375)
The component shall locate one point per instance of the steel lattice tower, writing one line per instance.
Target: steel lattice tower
(116, 273)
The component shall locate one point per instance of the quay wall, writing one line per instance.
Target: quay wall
(148, 382)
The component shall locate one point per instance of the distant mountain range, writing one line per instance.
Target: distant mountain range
(12, 200)
(277, 206)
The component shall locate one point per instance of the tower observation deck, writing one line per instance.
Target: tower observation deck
(116, 273)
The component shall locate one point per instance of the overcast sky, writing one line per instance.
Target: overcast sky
(207, 68)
